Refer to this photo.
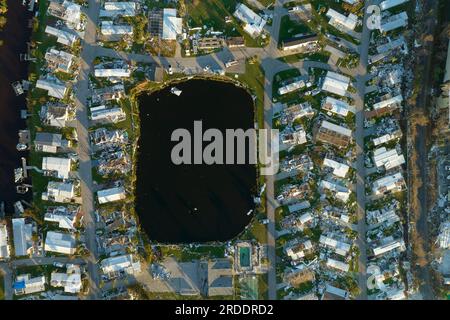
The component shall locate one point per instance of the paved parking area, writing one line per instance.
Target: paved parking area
(186, 278)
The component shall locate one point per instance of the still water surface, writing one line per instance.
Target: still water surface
(192, 203)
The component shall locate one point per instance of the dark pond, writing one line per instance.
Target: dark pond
(15, 36)
(192, 203)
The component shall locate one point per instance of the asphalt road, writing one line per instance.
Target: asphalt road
(87, 57)
(361, 78)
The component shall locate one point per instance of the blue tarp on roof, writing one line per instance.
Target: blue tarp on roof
(19, 285)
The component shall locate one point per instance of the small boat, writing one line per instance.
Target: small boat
(21, 147)
(22, 189)
(175, 91)
(18, 208)
(18, 89)
(249, 212)
(18, 175)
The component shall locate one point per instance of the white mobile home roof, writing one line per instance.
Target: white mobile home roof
(172, 26)
(391, 45)
(127, 6)
(113, 9)
(32, 285)
(387, 4)
(336, 83)
(66, 10)
(116, 73)
(73, 13)
(348, 22)
(110, 195)
(294, 137)
(61, 58)
(340, 247)
(342, 193)
(342, 266)
(71, 282)
(48, 139)
(298, 250)
(299, 206)
(385, 138)
(54, 89)
(114, 264)
(305, 218)
(336, 291)
(253, 23)
(340, 169)
(60, 242)
(102, 114)
(291, 87)
(61, 165)
(109, 29)
(387, 158)
(22, 233)
(336, 106)
(388, 215)
(388, 183)
(334, 127)
(389, 246)
(64, 221)
(394, 22)
(388, 102)
(119, 263)
(61, 191)
(64, 37)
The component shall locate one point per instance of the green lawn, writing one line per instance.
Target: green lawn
(259, 232)
(289, 29)
(36, 97)
(319, 23)
(247, 288)
(266, 3)
(171, 296)
(321, 56)
(254, 79)
(279, 80)
(212, 14)
(183, 253)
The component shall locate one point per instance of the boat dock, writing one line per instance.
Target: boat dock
(24, 114)
(24, 140)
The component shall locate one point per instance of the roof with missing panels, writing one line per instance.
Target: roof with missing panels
(49, 139)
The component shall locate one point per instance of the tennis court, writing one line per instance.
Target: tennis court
(249, 287)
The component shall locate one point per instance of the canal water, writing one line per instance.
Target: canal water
(192, 203)
(15, 36)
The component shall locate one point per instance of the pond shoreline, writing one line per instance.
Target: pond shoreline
(163, 90)
(149, 87)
